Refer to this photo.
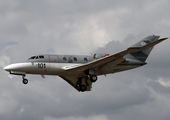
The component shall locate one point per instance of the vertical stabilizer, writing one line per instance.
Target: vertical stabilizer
(142, 55)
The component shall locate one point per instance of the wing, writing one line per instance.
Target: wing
(94, 65)
(98, 63)
(117, 58)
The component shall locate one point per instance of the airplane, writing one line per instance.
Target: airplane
(81, 71)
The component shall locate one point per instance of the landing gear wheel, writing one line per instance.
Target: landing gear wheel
(83, 88)
(25, 81)
(93, 78)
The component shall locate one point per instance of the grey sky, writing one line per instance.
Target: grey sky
(84, 27)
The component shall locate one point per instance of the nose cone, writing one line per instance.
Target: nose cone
(18, 67)
(13, 67)
(8, 68)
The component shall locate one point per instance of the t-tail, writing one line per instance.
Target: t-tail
(144, 46)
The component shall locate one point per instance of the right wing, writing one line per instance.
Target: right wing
(118, 58)
(98, 63)
(95, 65)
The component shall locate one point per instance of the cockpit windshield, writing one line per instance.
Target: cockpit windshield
(36, 57)
(32, 57)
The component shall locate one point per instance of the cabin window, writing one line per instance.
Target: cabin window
(85, 59)
(64, 58)
(75, 59)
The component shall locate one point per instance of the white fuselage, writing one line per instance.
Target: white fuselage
(57, 68)
(56, 64)
(81, 71)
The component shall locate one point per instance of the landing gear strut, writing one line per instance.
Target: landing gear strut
(24, 80)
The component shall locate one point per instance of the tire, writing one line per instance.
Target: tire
(25, 81)
(93, 78)
(83, 88)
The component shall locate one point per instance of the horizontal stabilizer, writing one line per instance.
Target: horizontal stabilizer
(143, 48)
(137, 49)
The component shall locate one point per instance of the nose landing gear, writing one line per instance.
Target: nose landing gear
(24, 80)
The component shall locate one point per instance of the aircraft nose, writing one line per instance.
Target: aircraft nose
(18, 67)
(8, 68)
(12, 67)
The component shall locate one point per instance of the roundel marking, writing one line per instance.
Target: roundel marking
(143, 43)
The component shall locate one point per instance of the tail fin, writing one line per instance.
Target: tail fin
(143, 54)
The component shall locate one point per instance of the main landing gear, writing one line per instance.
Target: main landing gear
(93, 78)
(24, 80)
(83, 83)
(83, 88)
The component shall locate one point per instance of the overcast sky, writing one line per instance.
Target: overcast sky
(84, 27)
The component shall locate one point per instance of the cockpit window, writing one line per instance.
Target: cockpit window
(41, 56)
(32, 57)
(36, 57)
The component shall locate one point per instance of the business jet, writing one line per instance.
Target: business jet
(81, 71)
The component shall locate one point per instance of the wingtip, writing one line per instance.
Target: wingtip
(164, 38)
